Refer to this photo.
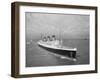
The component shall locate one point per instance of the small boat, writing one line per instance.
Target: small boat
(57, 47)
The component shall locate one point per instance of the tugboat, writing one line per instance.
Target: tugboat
(56, 46)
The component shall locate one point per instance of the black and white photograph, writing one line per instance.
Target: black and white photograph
(52, 39)
(56, 39)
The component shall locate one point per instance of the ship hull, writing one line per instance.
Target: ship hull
(71, 53)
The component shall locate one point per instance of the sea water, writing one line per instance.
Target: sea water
(37, 56)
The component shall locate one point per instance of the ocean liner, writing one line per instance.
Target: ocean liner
(56, 46)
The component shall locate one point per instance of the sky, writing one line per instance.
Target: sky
(69, 26)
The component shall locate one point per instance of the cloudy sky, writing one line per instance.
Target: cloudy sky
(70, 26)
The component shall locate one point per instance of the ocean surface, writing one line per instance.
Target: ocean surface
(37, 56)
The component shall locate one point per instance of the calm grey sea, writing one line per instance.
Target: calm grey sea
(37, 56)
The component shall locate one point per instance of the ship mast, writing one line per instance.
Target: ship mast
(60, 35)
(41, 36)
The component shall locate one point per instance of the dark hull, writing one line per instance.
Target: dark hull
(67, 53)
